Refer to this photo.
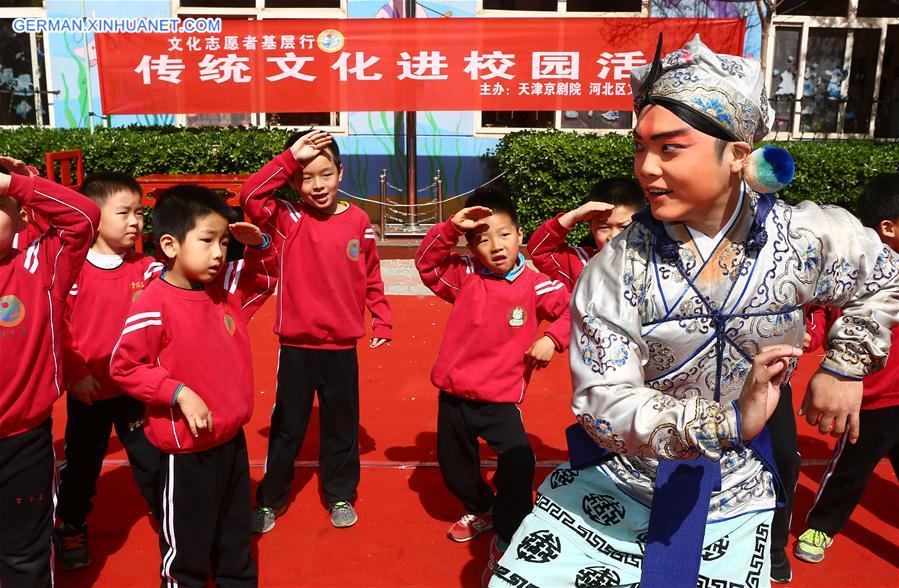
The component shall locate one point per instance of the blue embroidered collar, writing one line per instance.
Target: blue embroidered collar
(510, 275)
(667, 248)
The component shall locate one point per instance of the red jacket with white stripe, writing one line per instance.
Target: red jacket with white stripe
(96, 307)
(556, 258)
(198, 338)
(33, 286)
(493, 323)
(330, 271)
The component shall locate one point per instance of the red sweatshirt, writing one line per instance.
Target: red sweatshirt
(330, 271)
(23, 238)
(493, 323)
(33, 288)
(96, 307)
(198, 338)
(881, 389)
(556, 258)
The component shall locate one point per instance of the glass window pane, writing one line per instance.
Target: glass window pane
(878, 8)
(528, 119)
(218, 120)
(546, 5)
(865, 44)
(783, 77)
(218, 3)
(604, 5)
(302, 3)
(822, 85)
(813, 7)
(596, 119)
(17, 105)
(887, 123)
(303, 119)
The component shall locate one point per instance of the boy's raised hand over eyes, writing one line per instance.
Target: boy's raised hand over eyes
(587, 211)
(14, 166)
(310, 146)
(247, 233)
(469, 218)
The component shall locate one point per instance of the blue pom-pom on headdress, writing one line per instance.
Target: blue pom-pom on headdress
(768, 169)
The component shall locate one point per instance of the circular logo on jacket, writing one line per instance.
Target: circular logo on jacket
(603, 509)
(353, 249)
(539, 547)
(330, 40)
(229, 323)
(596, 576)
(518, 316)
(12, 311)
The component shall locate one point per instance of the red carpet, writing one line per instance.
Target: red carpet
(405, 510)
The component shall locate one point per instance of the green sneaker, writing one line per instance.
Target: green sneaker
(811, 545)
(343, 515)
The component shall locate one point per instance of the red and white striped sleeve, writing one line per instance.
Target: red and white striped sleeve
(135, 364)
(254, 278)
(257, 197)
(553, 305)
(441, 270)
(553, 256)
(72, 220)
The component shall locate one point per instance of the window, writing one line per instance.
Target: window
(784, 75)
(23, 95)
(878, 8)
(329, 120)
(814, 7)
(492, 122)
(519, 119)
(833, 67)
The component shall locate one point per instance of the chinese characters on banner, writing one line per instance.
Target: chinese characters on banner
(392, 64)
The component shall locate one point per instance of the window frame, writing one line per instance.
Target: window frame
(260, 119)
(850, 24)
(562, 10)
(12, 13)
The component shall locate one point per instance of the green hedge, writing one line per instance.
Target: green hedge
(550, 171)
(546, 171)
(146, 150)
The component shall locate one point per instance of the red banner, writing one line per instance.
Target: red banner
(392, 64)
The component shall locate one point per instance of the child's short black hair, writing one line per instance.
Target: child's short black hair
(495, 200)
(332, 148)
(879, 200)
(100, 186)
(179, 208)
(624, 192)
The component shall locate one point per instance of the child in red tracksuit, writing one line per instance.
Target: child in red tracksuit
(97, 305)
(330, 273)
(486, 357)
(608, 209)
(184, 351)
(34, 283)
(850, 468)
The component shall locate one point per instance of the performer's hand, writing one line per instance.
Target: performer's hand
(540, 353)
(376, 342)
(761, 391)
(806, 340)
(585, 212)
(87, 389)
(195, 411)
(310, 146)
(247, 233)
(469, 218)
(833, 403)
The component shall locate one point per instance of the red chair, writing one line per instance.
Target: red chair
(67, 176)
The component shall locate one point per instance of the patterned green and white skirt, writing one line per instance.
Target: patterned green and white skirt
(586, 532)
